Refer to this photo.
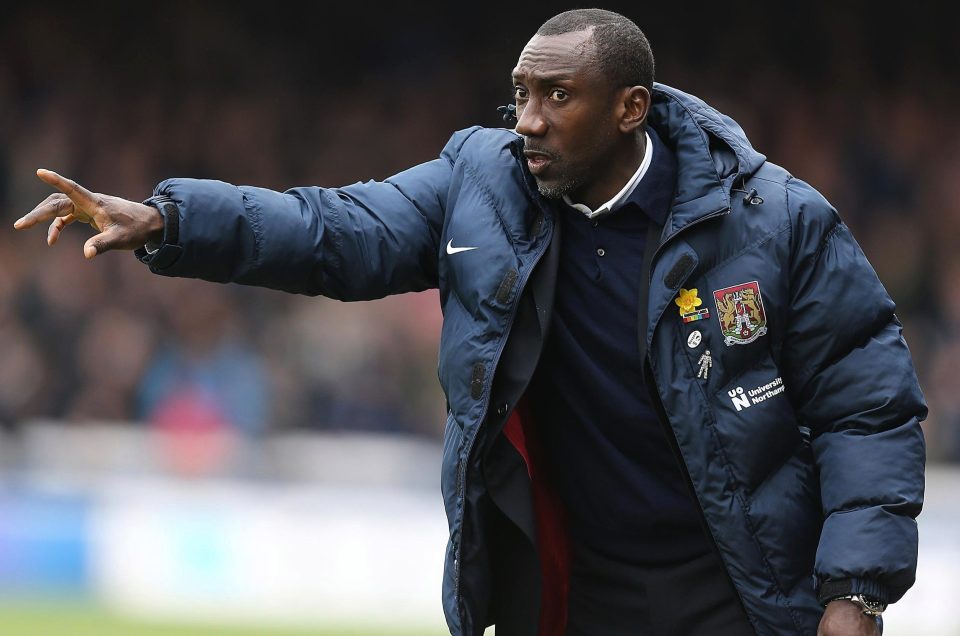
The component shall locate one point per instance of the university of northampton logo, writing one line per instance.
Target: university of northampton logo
(740, 312)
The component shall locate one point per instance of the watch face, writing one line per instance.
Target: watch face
(871, 605)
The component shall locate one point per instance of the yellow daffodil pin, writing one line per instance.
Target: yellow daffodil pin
(688, 302)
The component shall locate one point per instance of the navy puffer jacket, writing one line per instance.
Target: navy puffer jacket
(803, 446)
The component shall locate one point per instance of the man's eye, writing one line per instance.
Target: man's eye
(558, 95)
(519, 92)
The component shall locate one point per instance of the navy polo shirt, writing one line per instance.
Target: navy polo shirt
(608, 454)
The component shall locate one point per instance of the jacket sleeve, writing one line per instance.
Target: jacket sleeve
(853, 384)
(357, 242)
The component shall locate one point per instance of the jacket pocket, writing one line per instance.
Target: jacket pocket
(764, 444)
(756, 423)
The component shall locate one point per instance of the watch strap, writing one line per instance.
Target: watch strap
(867, 605)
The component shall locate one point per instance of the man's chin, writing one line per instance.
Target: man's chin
(552, 189)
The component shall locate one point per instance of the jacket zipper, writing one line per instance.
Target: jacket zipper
(661, 412)
(462, 473)
(665, 421)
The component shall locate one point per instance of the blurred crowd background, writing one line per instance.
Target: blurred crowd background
(118, 96)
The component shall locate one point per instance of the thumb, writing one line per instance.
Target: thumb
(90, 248)
(100, 243)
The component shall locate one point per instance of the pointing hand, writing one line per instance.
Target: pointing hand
(121, 224)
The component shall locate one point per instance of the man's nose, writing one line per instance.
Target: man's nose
(530, 121)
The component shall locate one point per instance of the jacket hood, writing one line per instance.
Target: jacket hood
(713, 153)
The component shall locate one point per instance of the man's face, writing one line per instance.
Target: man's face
(565, 112)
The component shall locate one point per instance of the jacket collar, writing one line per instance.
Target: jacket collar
(712, 151)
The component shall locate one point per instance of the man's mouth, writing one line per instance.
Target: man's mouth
(537, 161)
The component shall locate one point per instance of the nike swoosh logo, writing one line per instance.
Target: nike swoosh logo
(455, 250)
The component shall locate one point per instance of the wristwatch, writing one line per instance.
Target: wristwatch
(869, 606)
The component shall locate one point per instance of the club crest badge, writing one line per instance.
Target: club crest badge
(740, 312)
(689, 306)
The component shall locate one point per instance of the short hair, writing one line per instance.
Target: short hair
(622, 49)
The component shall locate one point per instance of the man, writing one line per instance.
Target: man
(597, 478)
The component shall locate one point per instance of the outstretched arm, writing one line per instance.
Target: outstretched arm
(357, 242)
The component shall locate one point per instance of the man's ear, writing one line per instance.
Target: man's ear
(635, 106)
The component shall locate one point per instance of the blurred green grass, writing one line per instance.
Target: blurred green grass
(44, 619)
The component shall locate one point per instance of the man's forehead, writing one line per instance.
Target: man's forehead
(563, 54)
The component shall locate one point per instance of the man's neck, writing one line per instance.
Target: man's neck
(626, 185)
(620, 168)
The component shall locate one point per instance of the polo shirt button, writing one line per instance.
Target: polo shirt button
(600, 251)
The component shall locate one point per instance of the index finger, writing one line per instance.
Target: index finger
(77, 193)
